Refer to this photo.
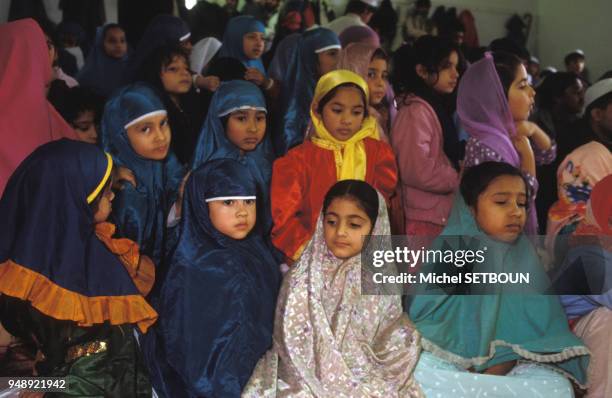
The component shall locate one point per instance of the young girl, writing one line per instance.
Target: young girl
(66, 285)
(27, 119)
(106, 62)
(424, 136)
(345, 145)
(244, 40)
(167, 69)
(488, 328)
(493, 102)
(316, 53)
(217, 304)
(135, 132)
(371, 64)
(330, 340)
(235, 128)
(82, 108)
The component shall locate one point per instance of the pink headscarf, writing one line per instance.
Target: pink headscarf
(484, 111)
(359, 34)
(27, 119)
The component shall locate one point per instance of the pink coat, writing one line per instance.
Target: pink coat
(427, 178)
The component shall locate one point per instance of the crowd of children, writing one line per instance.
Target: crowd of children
(189, 221)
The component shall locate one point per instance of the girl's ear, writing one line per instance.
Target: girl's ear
(421, 71)
(315, 109)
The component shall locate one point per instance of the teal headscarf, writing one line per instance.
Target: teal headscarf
(484, 330)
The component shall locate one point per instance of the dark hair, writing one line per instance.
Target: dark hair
(476, 179)
(429, 51)
(506, 66)
(510, 46)
(159, 59)
(571, 57)
(332, 93)
(226, 68)
(110, 26)
(361, 192)
(358, 7)
(379, 53)
(78, 100)
(553, 87)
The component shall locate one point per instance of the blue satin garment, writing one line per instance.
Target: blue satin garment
(140, 212)
(232, 46)
(298, 87)
(48, 226)
(218, 300)
(213, 142)
(102, 73)
(162, 30)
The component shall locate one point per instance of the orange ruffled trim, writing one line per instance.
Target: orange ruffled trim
(63, 304)
(140, 268)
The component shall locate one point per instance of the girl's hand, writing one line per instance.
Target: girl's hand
(255, 76)
(525, 128)
(210, 83)
(522, 145)
(123, 174)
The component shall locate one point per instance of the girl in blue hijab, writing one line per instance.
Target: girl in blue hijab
(316, 53)
(235, 128)
(106, 62)
(136, 133)
(217, 302)
(61, 284)
(244, 41)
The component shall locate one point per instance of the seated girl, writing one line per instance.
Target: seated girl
(217, 302)
(345, 145)
(234, 129)
(494, 101)
(65, 284)
(330, 340)
(135, 132)
(106, 62)
(495, 329)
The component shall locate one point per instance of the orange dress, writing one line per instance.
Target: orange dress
(302, 177)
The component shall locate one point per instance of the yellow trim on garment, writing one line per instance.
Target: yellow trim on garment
(107, 174)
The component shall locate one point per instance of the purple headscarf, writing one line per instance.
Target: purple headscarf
(359, 34)
(484, 111)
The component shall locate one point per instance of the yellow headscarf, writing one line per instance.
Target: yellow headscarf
(349, 155)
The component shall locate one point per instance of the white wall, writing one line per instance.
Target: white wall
(568, 24)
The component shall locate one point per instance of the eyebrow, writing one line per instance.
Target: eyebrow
(331, 213)
(508, 193)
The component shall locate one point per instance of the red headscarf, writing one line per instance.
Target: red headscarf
(27, 119)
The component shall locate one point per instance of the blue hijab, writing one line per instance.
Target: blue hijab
(298, 88)
(218, 300)
(140, 212)
(102, 73)
(498, 323)
(213, 142)
(49, 252)
(232, 46)
(163, 30)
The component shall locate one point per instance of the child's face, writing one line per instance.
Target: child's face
(576, 66)
(115, 45)
(521, 96)
(253, 44)
(344, 226)
(176, 77)
(445, 81)
(378, 77)
(105, 205)
(343, 115)
(246, 128)
(233, 217)
(85, 127)
(328, 61)
(186, 45)
(573, 97)
(150, 138)
(501, 208)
